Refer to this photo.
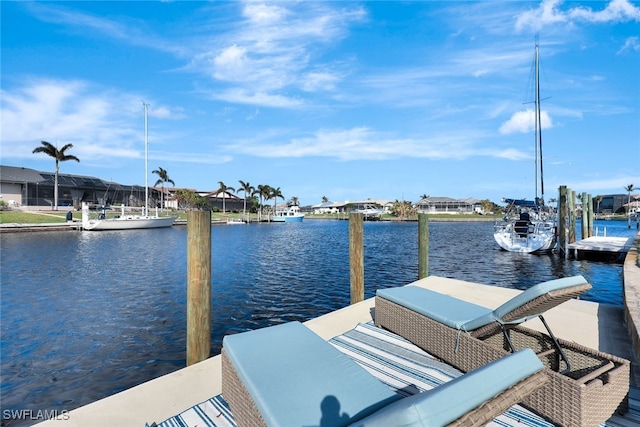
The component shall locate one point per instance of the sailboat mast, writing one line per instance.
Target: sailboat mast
(146, 161)
(539, 128)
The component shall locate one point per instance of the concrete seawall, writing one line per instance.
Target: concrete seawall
(631, 295)
(48, 226)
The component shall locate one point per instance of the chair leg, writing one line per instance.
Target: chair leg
(507, 338)
(560, 353)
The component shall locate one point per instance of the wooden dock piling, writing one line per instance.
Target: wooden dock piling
(584, 223)
(198, 286)
(356, 256)
(591, 215)
(562, 220)
(423, 245)
(571, 211)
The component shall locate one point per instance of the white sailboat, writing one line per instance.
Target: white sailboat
(127, 221)
(533, 229)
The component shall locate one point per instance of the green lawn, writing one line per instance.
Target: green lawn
(18, 217)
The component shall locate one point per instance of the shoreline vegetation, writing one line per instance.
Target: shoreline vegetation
(43, 217)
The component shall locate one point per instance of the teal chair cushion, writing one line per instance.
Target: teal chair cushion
(296, 378)
(450, 401)
(445, 309)
(535, 292)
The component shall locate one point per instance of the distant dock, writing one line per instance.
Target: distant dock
(601, 246)
(49, 226)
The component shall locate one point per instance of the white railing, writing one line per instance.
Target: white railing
(597, 232)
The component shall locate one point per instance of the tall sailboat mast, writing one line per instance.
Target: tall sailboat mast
(538, 126)
(146, 161)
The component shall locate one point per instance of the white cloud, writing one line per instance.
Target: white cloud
(316, 81)
(632, 44)
(363, 143)
(49, 109)
(615, 11)
(350, 144)
(270, 52)
(524, 121)
(263, 14)
(549, 12)
(241, 96)
(230, 62)
(512, 154)
(85, 22)
(99, 122)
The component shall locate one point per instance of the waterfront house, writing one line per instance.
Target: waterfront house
(447, 205)
(30, 189)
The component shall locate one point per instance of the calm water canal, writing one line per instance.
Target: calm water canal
(85, 315)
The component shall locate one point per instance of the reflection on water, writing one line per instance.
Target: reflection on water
(85, 315)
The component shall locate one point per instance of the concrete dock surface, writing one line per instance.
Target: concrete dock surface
(603, 244)
(594, 325)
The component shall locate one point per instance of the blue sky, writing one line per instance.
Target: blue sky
(343, 99)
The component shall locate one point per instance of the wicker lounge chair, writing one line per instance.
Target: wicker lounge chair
(456, 316)
(586, 386)
(287, 375)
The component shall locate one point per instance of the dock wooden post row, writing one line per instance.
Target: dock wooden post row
(198, 286)
(423, 246)
(562, 220)
(584, 223)
(356, 256)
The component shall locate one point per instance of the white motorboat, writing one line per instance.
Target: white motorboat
(235, 221)
(290, 214)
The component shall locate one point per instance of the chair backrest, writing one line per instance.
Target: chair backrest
(540, 298)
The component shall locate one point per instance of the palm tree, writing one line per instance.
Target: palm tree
(598, 200)
(248, 191)
(629, 188)
(404, 209)
(253, 201)
(324, 199)
(263, 192)
(60, 156)
(274, 194)
(187, 199)
(487, 206)
(223, 188)
(294, 201)
(162, 178)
